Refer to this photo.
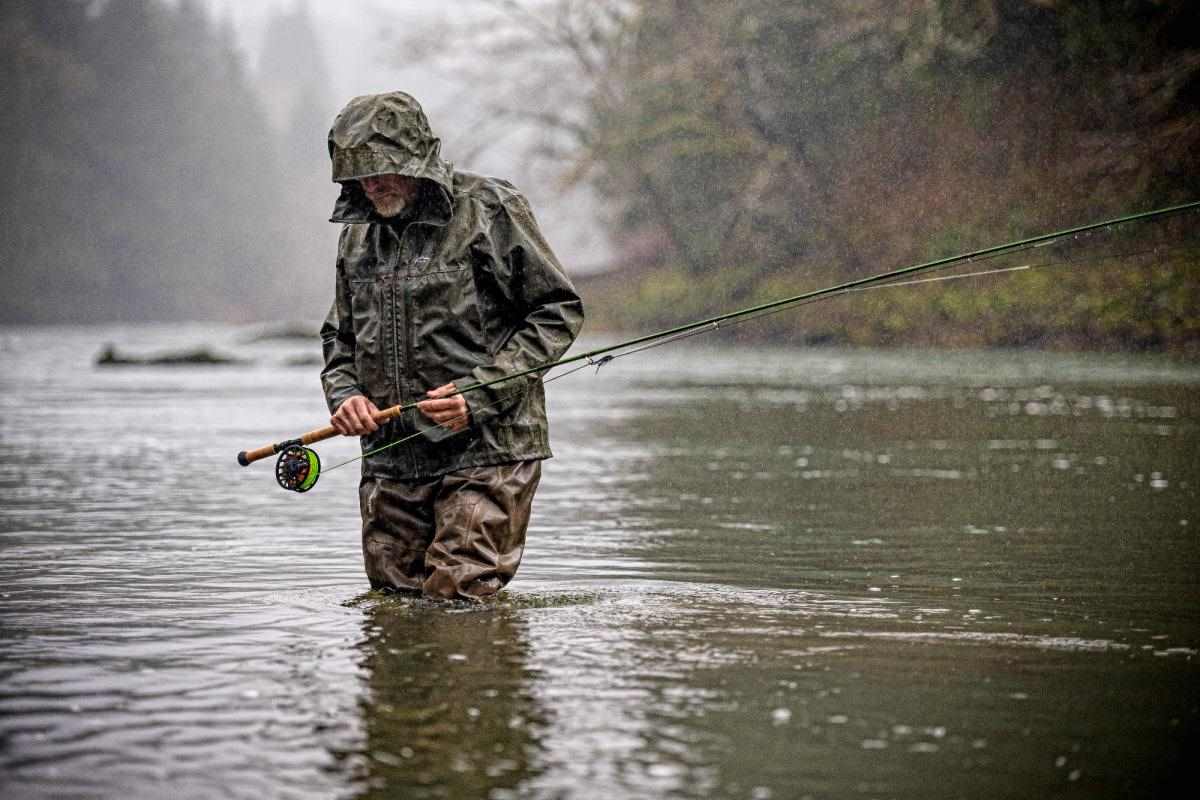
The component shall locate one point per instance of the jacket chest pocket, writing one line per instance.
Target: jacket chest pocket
(445, 309)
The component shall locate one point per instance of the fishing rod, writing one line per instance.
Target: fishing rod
(298, 466)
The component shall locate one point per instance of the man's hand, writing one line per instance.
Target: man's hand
(449, 412)
(353, 417)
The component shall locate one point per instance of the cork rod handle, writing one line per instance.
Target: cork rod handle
(248, 457)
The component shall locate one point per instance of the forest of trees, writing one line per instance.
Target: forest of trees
(744, 152)
(145, 180)
(754, 150)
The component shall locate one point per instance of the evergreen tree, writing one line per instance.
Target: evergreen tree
(46, 85)
(143, 168)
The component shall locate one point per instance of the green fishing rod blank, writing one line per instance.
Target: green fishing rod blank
(927, 266)
(298, 467)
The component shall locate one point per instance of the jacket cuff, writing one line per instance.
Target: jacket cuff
(335, 399)
(477, 410)
(490, 402)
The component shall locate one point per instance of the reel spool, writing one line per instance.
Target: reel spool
(297, 468)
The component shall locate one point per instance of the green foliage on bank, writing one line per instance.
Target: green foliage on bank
(767, 148)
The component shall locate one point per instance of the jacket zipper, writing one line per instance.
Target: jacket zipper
(397, 375)
(408, 308)
(409, 330)
(395, 346)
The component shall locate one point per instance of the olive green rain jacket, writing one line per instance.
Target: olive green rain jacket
(464, 289)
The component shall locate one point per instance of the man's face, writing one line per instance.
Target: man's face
(390, 194)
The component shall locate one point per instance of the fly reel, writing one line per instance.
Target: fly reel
(297, 468)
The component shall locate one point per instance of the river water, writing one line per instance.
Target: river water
(751, 573)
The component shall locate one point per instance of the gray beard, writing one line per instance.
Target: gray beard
(390, 206)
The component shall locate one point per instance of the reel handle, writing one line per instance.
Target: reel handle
(248, 457)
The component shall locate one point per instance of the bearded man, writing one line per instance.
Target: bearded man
(443, 281)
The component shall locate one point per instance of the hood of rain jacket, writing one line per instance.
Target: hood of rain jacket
(461, 288)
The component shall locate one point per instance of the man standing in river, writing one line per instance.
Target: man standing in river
(443, 281)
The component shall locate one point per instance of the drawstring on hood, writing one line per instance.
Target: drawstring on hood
(387, 134)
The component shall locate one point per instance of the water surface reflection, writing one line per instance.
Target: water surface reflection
(760, 574)
(449, 708)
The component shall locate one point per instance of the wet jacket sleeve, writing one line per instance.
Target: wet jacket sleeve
(339, 378)
(546, 307)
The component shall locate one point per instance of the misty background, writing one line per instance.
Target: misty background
(752, 571)
(166, 160)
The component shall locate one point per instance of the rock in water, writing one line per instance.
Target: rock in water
(109, 357)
